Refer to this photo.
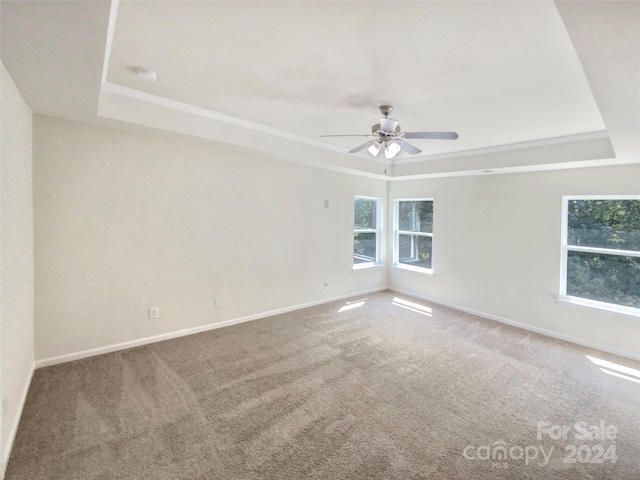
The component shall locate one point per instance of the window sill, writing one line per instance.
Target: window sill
(360, 266)
(426, 271)
(593, 305)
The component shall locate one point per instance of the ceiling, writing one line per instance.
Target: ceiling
(527, 85)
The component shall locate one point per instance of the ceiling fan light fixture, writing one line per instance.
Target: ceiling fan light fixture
(375, 149)
(391, 149)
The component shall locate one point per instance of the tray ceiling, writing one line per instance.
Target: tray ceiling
(274, 76)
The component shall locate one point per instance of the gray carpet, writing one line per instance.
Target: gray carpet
(380, 390)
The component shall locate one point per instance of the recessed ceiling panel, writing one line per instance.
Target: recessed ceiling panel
(495, 72)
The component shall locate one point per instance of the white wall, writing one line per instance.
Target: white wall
(16, 254)
(126, 221)
(498, 236)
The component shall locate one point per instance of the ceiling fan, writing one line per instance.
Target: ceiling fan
(387, 136)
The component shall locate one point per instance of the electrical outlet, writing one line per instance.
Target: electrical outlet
(326, 284)
(507, 301)
(218, 301)
(154, 312)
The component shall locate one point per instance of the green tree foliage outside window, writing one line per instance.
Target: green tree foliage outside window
(612, 227)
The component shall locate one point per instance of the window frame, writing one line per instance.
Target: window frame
(378, 232)
(397, 232)
(566, 248)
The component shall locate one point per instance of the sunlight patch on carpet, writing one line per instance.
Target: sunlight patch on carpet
(616, 370)
(414, 307)
(353, 304)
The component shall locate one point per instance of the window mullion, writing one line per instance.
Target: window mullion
(421, 234)
(604, 251)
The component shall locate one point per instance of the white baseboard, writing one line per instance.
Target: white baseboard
(46, 362)
(203, 328)
(524, 326)
(13, 429)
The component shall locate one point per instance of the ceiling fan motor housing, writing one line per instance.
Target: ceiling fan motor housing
(377, 129)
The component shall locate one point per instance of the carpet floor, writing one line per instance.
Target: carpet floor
(379, 387)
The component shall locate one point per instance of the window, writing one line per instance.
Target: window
(413, 242)
(601, 252)
(366, 231)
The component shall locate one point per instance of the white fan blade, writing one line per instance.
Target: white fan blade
(407, 147)
(347, 135)
(363, 146)
(388, 125)
(432, 135)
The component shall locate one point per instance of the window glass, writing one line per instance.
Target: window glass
(604, 278)
(364, 247)
(601, 252)
(414, 250)
(415, 216)
(366, 231)
(604, 223)
(413, 235)
(366, 213)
